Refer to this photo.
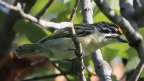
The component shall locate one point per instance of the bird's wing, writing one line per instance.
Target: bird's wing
(81, 30)
(56, 34)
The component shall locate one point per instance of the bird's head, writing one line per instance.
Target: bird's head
(111, 32)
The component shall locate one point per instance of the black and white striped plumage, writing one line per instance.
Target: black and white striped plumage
(91, 36)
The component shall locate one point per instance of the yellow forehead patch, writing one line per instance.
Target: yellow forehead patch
(120, 30)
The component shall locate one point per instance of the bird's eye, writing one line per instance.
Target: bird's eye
(120, 30)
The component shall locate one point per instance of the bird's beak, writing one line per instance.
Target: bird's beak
(122, 39)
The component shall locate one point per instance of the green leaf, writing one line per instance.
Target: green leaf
(113, 77)
(23, 40)
(88, 61)
(71, 4)
(96, 11)
(68, 4)
(56, 7)
(141, 31)
(119, 46)
(72, 77)
(2, 17)
(33, 33)
(63, 16)
(87, 73)
(131, 52)
(131, 64)
(52, 12)
(63, 65)
(100, 17)
(123, 54)
(78, 18)
(109, 54)
(42, 71)
(142, 74)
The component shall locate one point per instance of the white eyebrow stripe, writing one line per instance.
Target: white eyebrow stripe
(110, 34)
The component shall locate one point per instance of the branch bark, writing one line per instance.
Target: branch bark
(139, 4)
(38, 16)
(42, 23)
(129, 27)
(99, 63)
(132, 35)
(7, 33)
(128, 12)
(79, 51)
(102, 67)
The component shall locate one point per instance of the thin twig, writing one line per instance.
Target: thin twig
(47, 76)
(79, 51)
(74, 10)
(9, 6)
(44, 9)
(56, 67)
(60, 70)
(45, 24)
(139, 3)
(42, 23)
(137, 72)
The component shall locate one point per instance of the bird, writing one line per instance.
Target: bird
(91, 36)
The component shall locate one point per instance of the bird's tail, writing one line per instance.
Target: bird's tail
(27, 49)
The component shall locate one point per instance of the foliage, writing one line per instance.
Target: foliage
(60, 11)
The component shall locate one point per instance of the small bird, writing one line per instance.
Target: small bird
(57, 45)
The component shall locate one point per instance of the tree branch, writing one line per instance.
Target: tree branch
(87, 11)
(60, 70)
(132, 35)
(140, 22)
(127, 11)
(42, 23)
(102, 67)
(88, 18)
(139, 13)
(45, 24)
(137, 4)
(129, 26)
(127, 8)
(79, 51)
(48, 76)
(7, 33)
(97, 55)
(74, 10)
(137, 72)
